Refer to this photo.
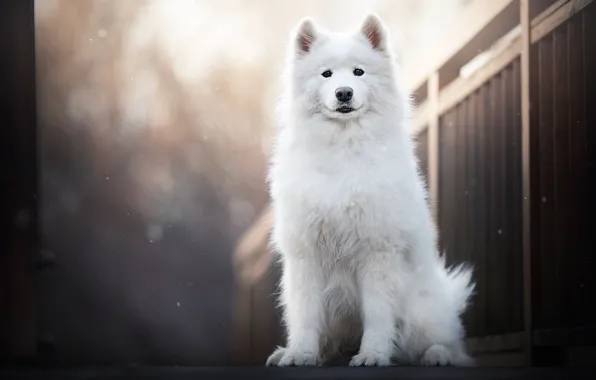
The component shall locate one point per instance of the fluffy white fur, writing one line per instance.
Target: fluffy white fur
(352, 225)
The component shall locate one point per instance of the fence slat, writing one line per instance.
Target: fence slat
(515, 189)
(586, 259)
(578, 167)
(529, 145)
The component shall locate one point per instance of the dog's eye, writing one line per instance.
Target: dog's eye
(358, 72)
(327, 73)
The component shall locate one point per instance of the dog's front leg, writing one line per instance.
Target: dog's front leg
(302, 297)
(377, 292)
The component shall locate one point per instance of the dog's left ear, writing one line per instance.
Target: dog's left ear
(306, 35)
(374, 31)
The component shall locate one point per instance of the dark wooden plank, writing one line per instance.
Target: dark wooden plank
(494, 262)
(579, 336)
(451, 177)
(482, 204)
(577, 164)
(561, 195)
(545, 98)
(470, 187)
(463, 232)
(586, 253)
(434, 120)
(442, 183)
(532, 279)
(503, 214)
(507, 225)
(516, 197)
(447, 154)
(483, 117)
(483, 198)
(527, 81)
(462, 175)
(445, 202)
(458, 174)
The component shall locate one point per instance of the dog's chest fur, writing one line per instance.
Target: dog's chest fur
(342, 201)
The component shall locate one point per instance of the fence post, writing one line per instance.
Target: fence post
(526, 168)
(433, 142)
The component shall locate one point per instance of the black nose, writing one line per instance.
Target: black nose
(344, 94)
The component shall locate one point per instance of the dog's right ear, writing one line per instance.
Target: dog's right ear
(306, 35)
(374, 31)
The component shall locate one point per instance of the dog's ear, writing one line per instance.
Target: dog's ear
(306, 35)
(374, 31)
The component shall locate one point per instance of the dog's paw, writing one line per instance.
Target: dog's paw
(370, 359)
(284, 357)
(437, 355)
(275, 357)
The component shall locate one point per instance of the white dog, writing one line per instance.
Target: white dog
(352, 224)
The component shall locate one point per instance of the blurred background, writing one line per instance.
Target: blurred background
(139, 212)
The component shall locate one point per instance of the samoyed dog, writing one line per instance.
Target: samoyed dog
(361, 269)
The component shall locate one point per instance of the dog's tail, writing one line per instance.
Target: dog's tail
(459, 283)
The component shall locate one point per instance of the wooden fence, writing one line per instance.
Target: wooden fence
(509, 155)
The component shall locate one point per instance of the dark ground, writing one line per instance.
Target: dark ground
(262, 373)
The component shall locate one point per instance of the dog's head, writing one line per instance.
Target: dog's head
(342, 76)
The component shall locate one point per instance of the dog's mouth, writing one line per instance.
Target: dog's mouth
(342, 111)
(345, 109)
